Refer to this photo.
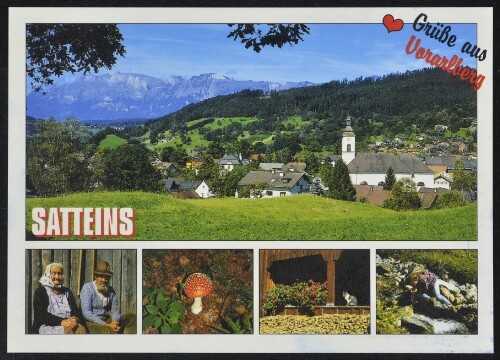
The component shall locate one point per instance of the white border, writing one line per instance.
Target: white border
(18, 341)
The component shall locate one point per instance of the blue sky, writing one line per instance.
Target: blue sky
(329, 52)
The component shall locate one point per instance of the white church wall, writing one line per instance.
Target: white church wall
(375, 179)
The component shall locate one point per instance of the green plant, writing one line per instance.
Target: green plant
(450, 199)
(302, 294)
(242, 325)
(163, 312)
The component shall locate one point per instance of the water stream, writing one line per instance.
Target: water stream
(444, 326)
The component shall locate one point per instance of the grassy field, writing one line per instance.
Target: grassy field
(303, 217)
(112, 141)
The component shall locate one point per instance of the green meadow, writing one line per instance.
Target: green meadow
(302, 217)
(112, 141)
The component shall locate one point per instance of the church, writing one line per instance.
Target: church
(371, 168)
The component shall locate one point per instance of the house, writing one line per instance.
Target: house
(470, 164)
(440, 127)
(194, 165)
(229, 161)
(166, 168)
(271, 166)
(275, 184)
(373, 194)
(192, 189)
(428, 196)
(295, 167)
(443, 180)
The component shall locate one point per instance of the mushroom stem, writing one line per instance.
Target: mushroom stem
(196, 307)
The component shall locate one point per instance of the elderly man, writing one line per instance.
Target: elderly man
(55, 309)
(100, 308)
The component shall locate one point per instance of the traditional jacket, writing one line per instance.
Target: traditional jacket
(92, 305)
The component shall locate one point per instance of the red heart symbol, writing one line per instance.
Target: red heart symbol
(391, 24)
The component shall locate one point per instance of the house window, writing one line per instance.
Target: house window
(363, 183)
(348, 147)
(381, 183)
(420, 183)
(269, 193)
(282, 193)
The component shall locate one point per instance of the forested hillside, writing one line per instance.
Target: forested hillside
(388, 105)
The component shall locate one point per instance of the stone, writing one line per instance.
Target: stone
(416, 325)
(471, 294)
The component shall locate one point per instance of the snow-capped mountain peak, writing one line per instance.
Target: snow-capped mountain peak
(133, 96)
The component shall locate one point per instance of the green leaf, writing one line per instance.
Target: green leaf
(221, 329)
(161, 302)
(153, 310)
(177, 306)
(166, 329)
(176, 329)
(158, 322)
(174, 317)
(148, 321)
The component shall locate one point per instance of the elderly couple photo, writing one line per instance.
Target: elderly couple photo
(95, 310)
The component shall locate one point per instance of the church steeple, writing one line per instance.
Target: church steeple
(348, 142)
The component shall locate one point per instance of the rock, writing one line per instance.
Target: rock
(447, 294)
(416, 325)
(384, 267)
(471, 294)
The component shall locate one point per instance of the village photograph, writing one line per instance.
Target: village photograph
(246, 132)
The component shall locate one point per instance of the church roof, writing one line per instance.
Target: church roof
(379, 163)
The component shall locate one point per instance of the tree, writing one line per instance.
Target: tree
(128, 167)
(339, 182)
(256, 36)
(390, 179)
(58, 158)
(463, 181)
(53, 49)
(450, 199)
(215, 149)
(403, 196)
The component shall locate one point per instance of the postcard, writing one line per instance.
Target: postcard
(200, 138)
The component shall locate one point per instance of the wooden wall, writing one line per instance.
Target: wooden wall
(266, 258)
(78, 269)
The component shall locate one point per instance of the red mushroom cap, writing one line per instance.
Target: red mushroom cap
(197, 285)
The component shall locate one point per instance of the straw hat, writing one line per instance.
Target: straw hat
(103, 268)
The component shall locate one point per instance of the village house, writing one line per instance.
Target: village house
(229, 161)
(274, 183)
(440, 127)
(372, 194)
(192, 189)
(194, 164)
(470, 164)
(428, 196)
(295, 166)
(271, 166)
(443, 180)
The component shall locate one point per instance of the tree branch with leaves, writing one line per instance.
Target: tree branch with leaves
(257, 36)
(53, 49)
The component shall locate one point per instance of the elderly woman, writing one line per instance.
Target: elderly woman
(55, 309)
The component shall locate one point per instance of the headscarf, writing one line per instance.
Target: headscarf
(46, 280)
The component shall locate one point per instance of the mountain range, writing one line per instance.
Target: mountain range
(124, 96)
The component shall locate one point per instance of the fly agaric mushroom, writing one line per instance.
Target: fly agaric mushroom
(197, 285)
